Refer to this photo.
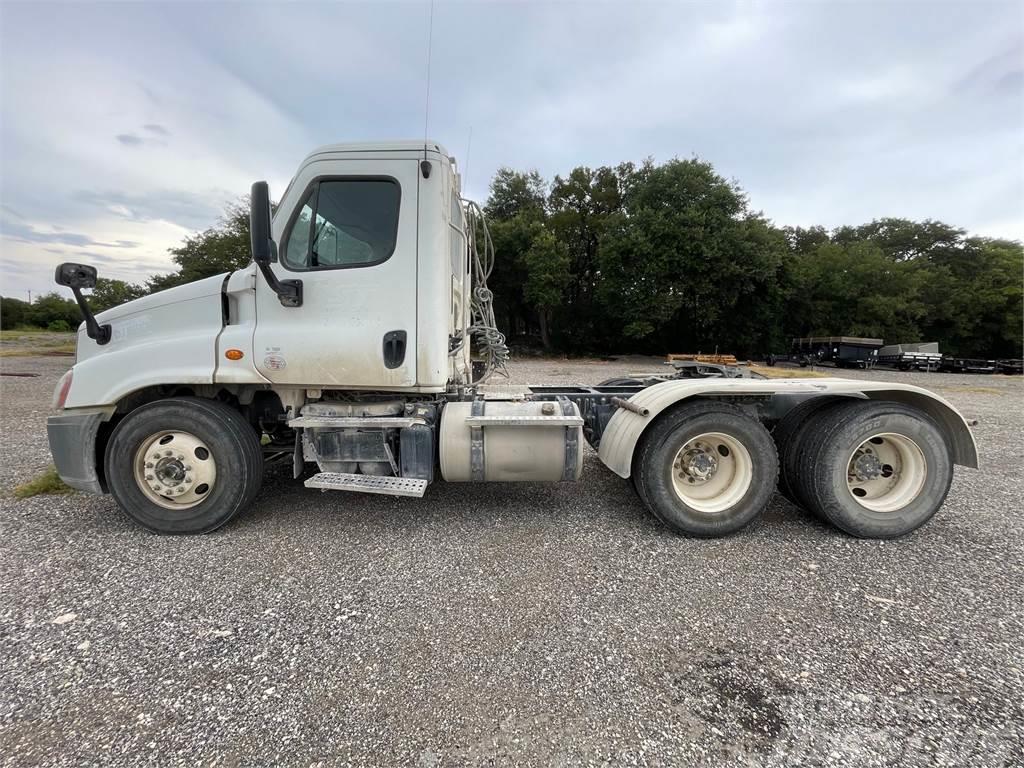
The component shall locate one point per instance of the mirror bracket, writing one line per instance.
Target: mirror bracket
(289, 292)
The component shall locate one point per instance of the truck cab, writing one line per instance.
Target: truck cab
(376, 234)
(349, 344)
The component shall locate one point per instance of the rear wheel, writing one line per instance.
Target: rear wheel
(788, 436)
(706, 469)
(183, 465)
(875, 470)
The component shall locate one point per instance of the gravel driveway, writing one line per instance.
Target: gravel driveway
(510, 625)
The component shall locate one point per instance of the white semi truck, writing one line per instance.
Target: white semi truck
(349, 342)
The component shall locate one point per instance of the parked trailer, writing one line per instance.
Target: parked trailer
(906, 357)
(842, 351)
(966, 365)
(348, 343)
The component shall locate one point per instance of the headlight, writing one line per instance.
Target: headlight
(60, 394)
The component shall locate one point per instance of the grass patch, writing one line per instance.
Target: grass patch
(56, 350)
(48, 482)
(13, 333)
(786, 373)
(36, 342)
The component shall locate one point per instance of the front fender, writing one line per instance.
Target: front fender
(620, 437)
(166, 338)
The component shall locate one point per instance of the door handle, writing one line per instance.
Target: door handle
(394, 348)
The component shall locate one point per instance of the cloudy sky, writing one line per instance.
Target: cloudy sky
(124, 127)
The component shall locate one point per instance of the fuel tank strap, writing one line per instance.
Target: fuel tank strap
(476, 443)
(572, 443)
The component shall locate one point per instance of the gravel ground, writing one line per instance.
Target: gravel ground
(510, 625)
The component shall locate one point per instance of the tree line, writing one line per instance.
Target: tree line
(672, 258)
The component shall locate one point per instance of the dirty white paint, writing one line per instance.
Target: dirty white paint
(165, 338)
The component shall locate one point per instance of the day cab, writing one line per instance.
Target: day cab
(359, 340)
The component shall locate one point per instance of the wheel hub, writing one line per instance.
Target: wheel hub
(711, 472)
(867, 467)
(699, 464)
(886, 472)
(171, 476)
(175, 469)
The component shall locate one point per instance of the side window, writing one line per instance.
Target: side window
(344, 223)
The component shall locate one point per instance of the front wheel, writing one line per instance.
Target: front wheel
(183, 465)
(706, 469)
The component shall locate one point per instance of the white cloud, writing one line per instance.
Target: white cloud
(135, 122)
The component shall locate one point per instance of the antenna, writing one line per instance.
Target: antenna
(426, 101)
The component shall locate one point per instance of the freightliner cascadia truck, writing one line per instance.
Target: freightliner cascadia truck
(358, 341)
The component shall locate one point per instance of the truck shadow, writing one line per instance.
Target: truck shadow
(600, 501)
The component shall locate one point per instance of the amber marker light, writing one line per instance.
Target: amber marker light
(234, 354)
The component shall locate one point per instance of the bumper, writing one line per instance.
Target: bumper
(73, 446)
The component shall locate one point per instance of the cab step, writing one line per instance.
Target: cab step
(390, 486)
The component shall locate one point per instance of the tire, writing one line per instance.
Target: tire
(231, 467)
(788, 435)
(738, 488)
(905, 476)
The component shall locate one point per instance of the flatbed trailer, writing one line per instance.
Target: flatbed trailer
(347, 348)
(906, 357)
(952, 364)
(842, 351)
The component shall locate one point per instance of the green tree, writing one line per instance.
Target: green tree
(516, 204)
(13, 312)
(111, 293)
(514, 193)
(547, 267)
(224, 247)
(855, 289)
(581, 205)
(683, 256)
(52, 307)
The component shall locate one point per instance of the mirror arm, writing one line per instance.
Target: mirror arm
(289, 292)
(98, 333)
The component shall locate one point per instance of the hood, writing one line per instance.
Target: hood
(193, 309)
(209, 286)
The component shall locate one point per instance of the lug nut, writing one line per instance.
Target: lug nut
(168, 453)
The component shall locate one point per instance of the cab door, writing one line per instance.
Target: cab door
(347, 229)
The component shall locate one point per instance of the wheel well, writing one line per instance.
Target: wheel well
(253, 404)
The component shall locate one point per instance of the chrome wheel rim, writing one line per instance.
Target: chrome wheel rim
(886, 472)
(712, 472)
(175, 469)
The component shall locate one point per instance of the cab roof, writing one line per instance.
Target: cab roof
(397, 145)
